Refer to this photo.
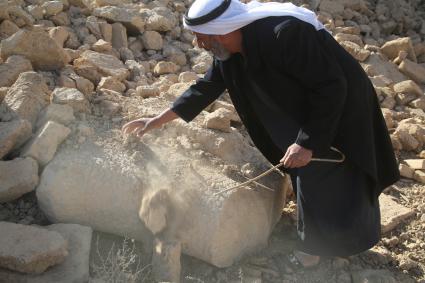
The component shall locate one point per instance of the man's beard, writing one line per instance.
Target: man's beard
(219, 51)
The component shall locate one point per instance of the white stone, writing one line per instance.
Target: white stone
(186, 77)
(415, 163)
(13, 134)
(71, 97)
(30, 249)
(165, 68)
(12, 68)
(218, 120)
(216, 229)
(17, 177)
(147, 91)
(392, 213)
(75, 267)
(419, 176)
(45, 143)
(112, 84)
(130, 18)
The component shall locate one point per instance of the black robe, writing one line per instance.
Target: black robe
(296, 84)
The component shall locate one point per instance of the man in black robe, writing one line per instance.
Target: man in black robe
(299, 93)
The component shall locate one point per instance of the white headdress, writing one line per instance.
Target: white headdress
(224, 16)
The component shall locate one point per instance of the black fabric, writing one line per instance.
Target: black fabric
(310, 78)
(336, 215)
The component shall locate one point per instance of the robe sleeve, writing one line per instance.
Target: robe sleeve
(305, 58)
(200, 95)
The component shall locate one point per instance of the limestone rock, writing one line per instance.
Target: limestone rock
(406, 171)
(161, 20)
(71, 97)
(414, 71)
(147, 91)
(12, 68)
(130, 18)
(186, 77)
(45, 143)
(52, 8)
(13, 134)
(392, 48)
(152, 40)
(27, 96)
(419, 176)
(7, 28)
(418, 103)
(119, 36)
(382, 66)
(37, 46)
(392, 213)
(102, 46)
(112, 84)
(165, 68)
(218, 120)
(341, 37)
(415, 163)
(408, 87)
(17, 177)
(59, 35)
(332, 7)
(62, 114)
(30, 249)
(355, 50)
(75, 267)
(203, 228)
(106, 65)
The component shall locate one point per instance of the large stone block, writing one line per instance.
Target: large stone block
(12, 68)
(105, 188)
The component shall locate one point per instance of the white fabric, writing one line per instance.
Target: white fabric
(239, 14)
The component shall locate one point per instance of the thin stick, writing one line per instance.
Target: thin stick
(342, 159)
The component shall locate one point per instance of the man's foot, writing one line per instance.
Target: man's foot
(306, 260)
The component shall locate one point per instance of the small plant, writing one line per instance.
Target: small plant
(121, 265)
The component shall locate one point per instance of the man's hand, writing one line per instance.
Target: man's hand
(138, 127)
(296, 156)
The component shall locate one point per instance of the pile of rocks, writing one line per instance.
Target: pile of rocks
(72, 71)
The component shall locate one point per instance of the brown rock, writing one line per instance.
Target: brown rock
(165, 68)
(37, 46)
(112, 84)
(355, 50)
(13, 134)
(218, 120)
(30, 249)
(7, 28)
(408, 87)
(119, 36)
(17, 177)
(419, 176)
(12, 68)
(406, 171)
(71, 97)
(392, 48)
(27, 96)
(414, 71)
(105, 65)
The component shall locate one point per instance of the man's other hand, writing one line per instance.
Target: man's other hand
(296, 156)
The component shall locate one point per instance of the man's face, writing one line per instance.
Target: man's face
(210, 43)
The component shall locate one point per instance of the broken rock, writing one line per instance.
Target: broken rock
(13, 134)
(75, 267)
(17, 177)
(414, 71)
(37, 46)
(27, 96)
(392, 213)
(30, 249)
(63, 114)
(408, 87)
(12, 68)
(218, 120)
(43, 146)
(415, 163)
(72, 97)
(106, 65)
(392, 48)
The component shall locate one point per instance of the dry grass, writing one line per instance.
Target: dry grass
(121, 265)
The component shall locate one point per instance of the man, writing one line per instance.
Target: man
(299, 93)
